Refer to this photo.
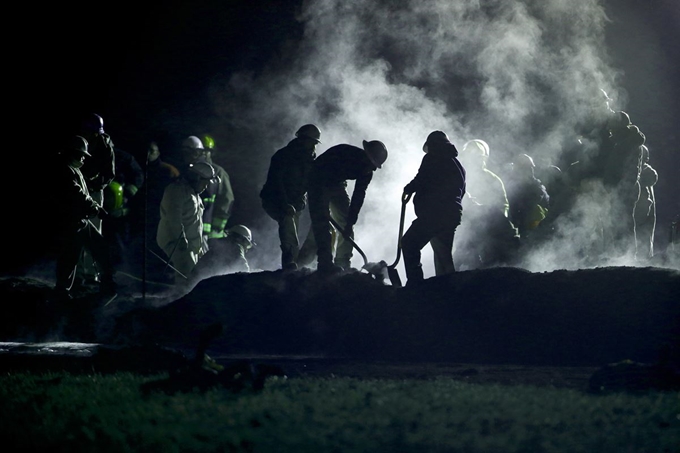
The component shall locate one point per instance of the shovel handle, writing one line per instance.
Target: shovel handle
(349, 239)
(405, 197)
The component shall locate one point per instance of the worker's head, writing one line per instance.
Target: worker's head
(475, 151)
(435, 139)
(192, 149)
(376, 152)
(309, 135)
(242, 235)
(92, 125)
(200, 175)
(75, 151)
(523, 165)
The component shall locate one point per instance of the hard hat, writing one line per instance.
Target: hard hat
(376, 152)
(113, 196)
(201, 170)
(637, 138)
(209, 141)
(309, 131)
(192, 143)
(525, 160)
(93, 123)
(242, 231)
(78, 144)
(477, 146)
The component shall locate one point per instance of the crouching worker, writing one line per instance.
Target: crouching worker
(227, 255)
(439, 187)
(76, 230)
(180, 230)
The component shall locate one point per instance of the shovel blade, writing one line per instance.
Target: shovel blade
(393, 274)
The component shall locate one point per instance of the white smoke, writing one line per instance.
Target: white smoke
(520, 74)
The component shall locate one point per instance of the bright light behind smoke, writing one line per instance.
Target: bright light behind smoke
(519, 74)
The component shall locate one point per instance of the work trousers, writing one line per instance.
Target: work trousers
(440, 235)
(325, 202)
(288, 232)
(72, 243)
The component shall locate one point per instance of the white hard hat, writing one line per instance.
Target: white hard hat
(192, 142)
(242, 231)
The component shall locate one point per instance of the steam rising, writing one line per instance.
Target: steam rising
(523, 75)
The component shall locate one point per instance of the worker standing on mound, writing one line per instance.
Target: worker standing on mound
(328, 190)
(284, 194)
(439, 187)
(180, 230)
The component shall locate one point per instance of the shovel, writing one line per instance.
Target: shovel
(351, 241)
(392, 271)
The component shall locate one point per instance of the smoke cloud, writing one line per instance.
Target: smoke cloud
(523, 75)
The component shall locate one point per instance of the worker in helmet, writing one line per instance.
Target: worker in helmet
(75, 229)
(180, 230)
(226, 255)
(528, 197)
(218, 198)
(328, 191)
(99, 170)
(284, 194)
(439, 187)
(644, 211)
(487, 235)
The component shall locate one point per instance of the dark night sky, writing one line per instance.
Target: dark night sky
(139, 64)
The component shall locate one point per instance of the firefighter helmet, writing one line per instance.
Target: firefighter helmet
(93, 123)
(192, 143)
(309, 131)
(201, 170)
(244, 232)
(78, 144)
(208, 141)
(113, 196)
(478, 147)
(376, 152)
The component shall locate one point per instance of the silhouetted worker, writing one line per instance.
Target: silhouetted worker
(99, 169)
(528, 197)
(328, 190)
(284, 194)
(226, 255)
(75, 228)
(218, 198)
(644, 211)
(439, 187)
(180, 230)
(491, 238)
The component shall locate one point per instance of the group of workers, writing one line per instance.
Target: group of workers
(191, 202)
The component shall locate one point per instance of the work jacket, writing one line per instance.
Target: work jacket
(181, 216)
(439, 185)
(288, 177)
(76, 205)
(341, 163)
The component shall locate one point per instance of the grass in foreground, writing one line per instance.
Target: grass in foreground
(109, 413)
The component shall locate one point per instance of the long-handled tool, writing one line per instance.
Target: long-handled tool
(392, 271)
(167, 263)
(350, 240)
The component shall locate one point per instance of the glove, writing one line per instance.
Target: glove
(290, 210)
(131, 189)
(216, 234)
(409, 188)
